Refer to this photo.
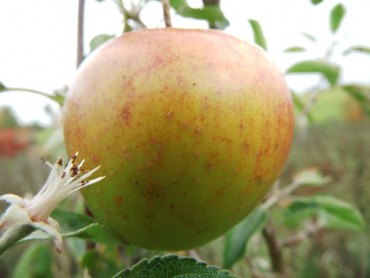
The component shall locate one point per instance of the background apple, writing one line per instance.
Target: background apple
(191, 127)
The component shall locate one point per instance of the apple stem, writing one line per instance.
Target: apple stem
(166, 13)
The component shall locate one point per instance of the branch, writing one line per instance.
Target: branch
(299, 237)
(274, 248)
(166, 13)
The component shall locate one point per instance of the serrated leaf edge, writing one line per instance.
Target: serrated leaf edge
(157, 259)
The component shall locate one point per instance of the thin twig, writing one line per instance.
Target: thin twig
(57, 98)
(311, 101)
(300, 236)
(166, 13)
(80, 32)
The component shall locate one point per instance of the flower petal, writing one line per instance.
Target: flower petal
(12, 199)
(52, 231)
(14, 215)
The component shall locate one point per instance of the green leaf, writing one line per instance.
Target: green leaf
(308, 36)
(331, 72)
(295, 49)
(296, 213)
(2, 87)
(210, 13)
(336, 17)
(103, 263)
(7, 118)
(361, 49)
(258, 34)
(238, 237)
(361, 95)
(172, 266)
(99, 40)
(80, 226)
(332, 213)
(345, 213)
(35, 261)
(311, 177)
(332, 221)
(90, 260)
(315, 2)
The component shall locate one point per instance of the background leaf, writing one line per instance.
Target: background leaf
(346, 212)
(296, 214)
(102, 263)
(329, 71)
(173, 266)
(99, 40)
(332, 221)
(308, 36)
(336, 16)
(315, 2)
(212, 14)
(258, 34)
(35, 262)
(361, 49)
(295, 49)
(332, 213)
(311, 177)
(238, 237)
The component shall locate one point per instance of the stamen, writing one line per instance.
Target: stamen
(43, 159)
(74, 170)
(74, 157)
(60, 161)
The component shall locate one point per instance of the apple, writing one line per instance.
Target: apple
(190, 127)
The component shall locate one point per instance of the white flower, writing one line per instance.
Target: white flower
(36, 212)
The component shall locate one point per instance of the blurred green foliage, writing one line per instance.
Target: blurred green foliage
(7, 118)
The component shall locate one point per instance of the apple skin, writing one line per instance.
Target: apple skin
(190, 127)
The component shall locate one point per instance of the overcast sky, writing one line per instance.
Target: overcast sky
(38, 40)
